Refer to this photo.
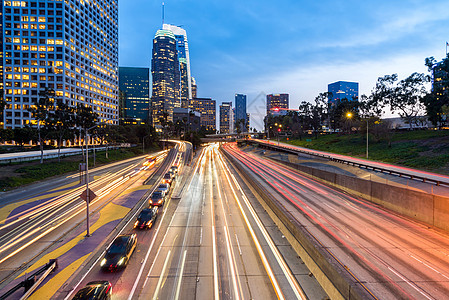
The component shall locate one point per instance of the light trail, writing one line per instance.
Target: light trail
(299, 293)
(231, 257)
(33, 225)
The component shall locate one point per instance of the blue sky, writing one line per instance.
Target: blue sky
(258, 47)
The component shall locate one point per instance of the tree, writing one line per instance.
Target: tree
(23, 135)
(62, 120)
(41, 112)
(6, 134)
(84, 118)
(404, 97)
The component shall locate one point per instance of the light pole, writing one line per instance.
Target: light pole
(367, 143)
(87, 180)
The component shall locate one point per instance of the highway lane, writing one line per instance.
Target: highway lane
(390, 256)
(43, 220)
(206, 245)
(209, 250)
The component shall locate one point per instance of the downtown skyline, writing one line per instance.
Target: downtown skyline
(290, 47)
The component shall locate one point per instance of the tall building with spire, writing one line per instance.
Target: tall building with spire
(166, 75)
(182, 46)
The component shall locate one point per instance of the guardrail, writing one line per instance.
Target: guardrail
(31, 282)
(24, 157)
(349, 162)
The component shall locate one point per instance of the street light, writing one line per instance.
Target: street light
(349, 116)
(87, 180)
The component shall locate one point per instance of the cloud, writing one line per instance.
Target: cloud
(306, 82)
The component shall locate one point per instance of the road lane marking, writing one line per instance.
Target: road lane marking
(409, 283)
(159, 283)
(299, 293)
(231, 257)
(178, 288)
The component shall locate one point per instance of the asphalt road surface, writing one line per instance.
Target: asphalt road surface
(208, 243)
(391, 257)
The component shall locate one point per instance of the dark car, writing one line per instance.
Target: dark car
(119, 253)
(146, 218)
(95, 290)
(157, 198)
(174, 169)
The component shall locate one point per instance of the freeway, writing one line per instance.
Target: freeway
(412, 173)
(388, 256)
(50, 215)
(208, 243)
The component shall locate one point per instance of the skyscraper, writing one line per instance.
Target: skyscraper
(166, 77)
(343, 90)
(134, 95)
(277, 102)
(208, 110)
(240, 112)
(194, 88)
(225, 117)
(182, 46)
(69, 46)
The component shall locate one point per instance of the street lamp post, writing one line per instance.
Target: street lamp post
(367, 143)
(87, 180)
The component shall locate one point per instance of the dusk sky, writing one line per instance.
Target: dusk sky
(259, 47)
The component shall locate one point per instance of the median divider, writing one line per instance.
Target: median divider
(329, 272)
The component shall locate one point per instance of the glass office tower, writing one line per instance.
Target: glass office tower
(166, 77)
(343, 90)
(182, 46)
(240, 112)
(134, 94)
(69, 46)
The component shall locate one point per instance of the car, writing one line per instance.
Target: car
(168, 178)
(119, 253)
(174, 169)
(146, 218)
(164, 187)
(149, 163)
(157, 198)
(95, 290)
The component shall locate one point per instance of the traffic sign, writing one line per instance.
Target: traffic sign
(92, 195)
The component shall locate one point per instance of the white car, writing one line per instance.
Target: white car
(164, 187)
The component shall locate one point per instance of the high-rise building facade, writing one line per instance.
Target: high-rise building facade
(277, 102)
(166, 77)
(134, 84)
(240, 112)
(225, 117)
(194, 88)
(208, 110)
(182, 46)
(343, 90)
(68, 46)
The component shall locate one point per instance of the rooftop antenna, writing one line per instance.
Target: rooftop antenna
(163, 13)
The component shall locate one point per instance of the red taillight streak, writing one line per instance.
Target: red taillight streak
(347, 246)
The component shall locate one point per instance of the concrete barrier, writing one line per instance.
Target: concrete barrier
(430, 209)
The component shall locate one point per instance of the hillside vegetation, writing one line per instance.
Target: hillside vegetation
(425, 150)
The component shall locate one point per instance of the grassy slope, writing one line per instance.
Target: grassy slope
(28, 172)
(426, 150)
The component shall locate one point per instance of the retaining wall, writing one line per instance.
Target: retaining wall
(424, 207)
